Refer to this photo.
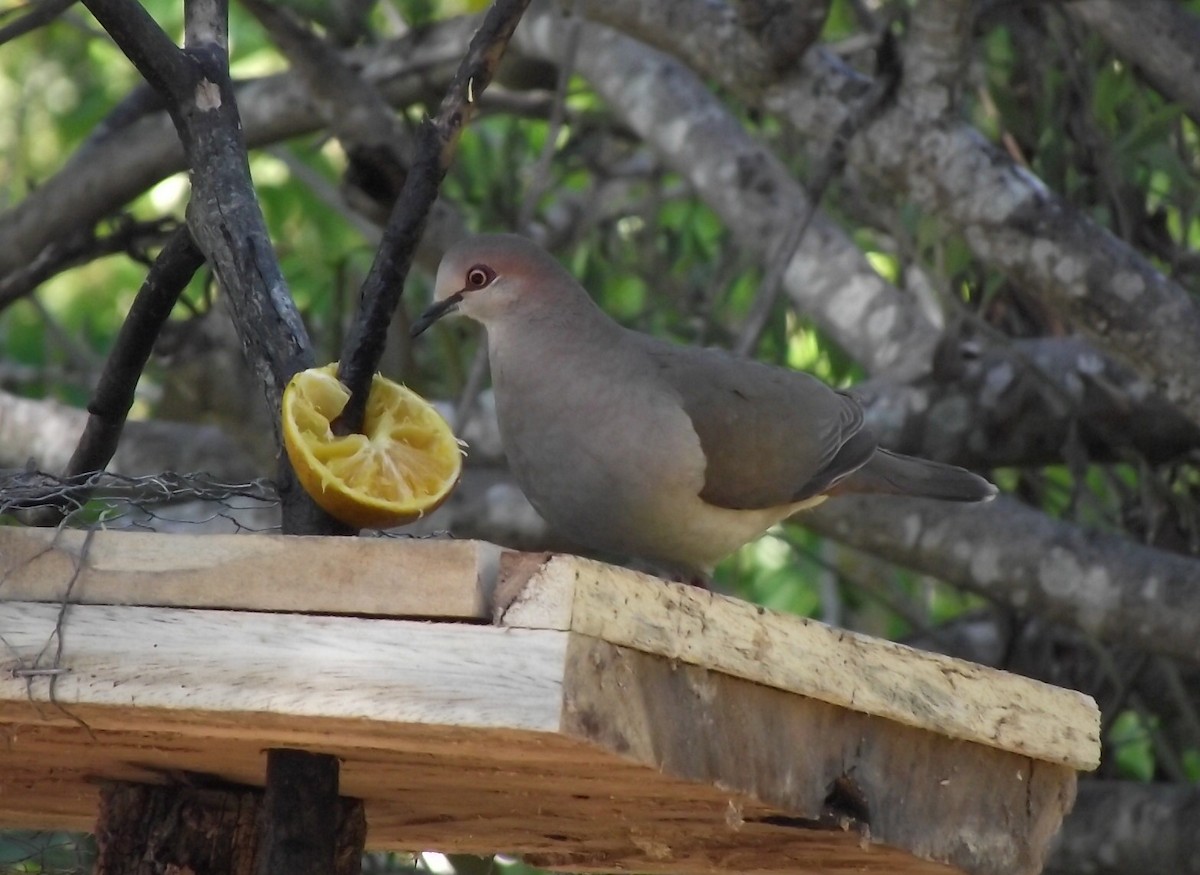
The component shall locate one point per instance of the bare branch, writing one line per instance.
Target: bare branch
(759, 200)
(159, 60)
(436, 144)
(1161, 37)
(377, 146)
(935, 57)
(1108, 586)
(169, 275)
(117, 168)
(79, 248)
(42, 13)
(1006, 215)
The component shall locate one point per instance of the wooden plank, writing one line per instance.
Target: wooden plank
(660, 767)
(370, 576)
(869, 675)
(232, 662)
(956, 803)
(555, 799)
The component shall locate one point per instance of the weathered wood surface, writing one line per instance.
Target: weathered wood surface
(652, 729)
(370, 576)
(868, 675)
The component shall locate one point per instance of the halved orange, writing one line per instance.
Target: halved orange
(403, 466)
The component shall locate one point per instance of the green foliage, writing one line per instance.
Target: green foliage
(1132, 745)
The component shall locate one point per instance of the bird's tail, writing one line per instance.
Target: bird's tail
(897, 474)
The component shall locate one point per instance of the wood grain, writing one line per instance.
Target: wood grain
(372, 576)
(869, 675)
(233, 662)
(611, 722)
(833, 770)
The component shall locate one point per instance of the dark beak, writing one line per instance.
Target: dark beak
(434, 313)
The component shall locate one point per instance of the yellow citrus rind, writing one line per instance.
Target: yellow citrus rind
(404, 464)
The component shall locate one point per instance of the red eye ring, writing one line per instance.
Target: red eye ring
(479, 276)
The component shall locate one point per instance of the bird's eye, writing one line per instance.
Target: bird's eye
(479, 276)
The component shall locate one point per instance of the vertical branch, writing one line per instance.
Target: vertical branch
(223, 213)
(436, 143)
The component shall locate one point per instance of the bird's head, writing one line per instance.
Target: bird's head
(494, 277)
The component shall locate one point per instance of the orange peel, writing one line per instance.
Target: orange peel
(405, 464)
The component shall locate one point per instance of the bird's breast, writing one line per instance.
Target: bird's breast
(600, 448)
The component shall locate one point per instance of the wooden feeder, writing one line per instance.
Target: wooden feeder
(582, 716)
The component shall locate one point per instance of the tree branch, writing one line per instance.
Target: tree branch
(1022, 405)
(784, 28)
(151, 51)
(935, 57)
(116, 169)
(1107, 586)
(113, 396)
(436, 143)
(42, 13)
(756, 196)
(1160, 36)
(1009, 219)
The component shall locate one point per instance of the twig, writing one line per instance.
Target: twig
(880, 94)
(436, 142)
(539, 176)
(41, 13)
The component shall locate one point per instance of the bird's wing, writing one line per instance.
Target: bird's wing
(770, 436)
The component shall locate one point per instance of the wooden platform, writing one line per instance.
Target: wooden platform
(582, 716)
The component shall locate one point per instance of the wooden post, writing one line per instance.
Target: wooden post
(299, 816)
(148, 829)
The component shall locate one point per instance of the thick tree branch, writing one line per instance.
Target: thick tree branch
(829, 279)
(1162, 37)
(1010, 219)
(124, 164)
(1105, 585)
(1026, 405)
(784, 28)
(935, 57)
(223, 212)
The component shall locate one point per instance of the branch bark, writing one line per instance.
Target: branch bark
(436, 144)
(1105, 585)
(1026, 405)
(756, 196)
(168, 276)
(1160, 36)
(1009, 219)
(130, 160)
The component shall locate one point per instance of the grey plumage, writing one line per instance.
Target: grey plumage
(633, 445)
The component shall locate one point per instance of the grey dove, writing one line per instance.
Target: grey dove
(632, 445)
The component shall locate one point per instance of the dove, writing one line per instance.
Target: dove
(632, 445)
